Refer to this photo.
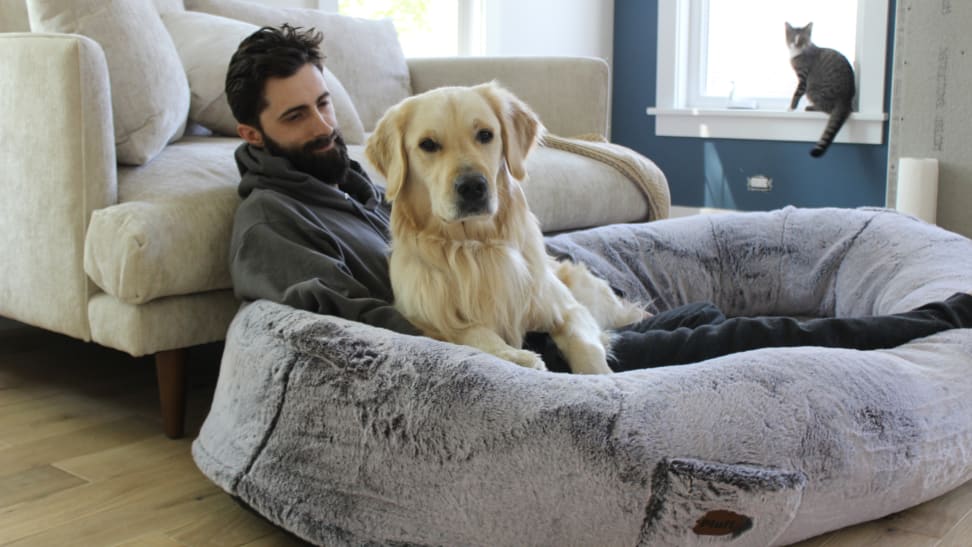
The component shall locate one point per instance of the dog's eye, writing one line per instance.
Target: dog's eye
(484, 136)
(430, 145)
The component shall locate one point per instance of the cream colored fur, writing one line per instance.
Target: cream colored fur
(482, 278)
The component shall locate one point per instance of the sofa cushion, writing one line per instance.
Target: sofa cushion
(206, 43)
(162, 324)
(149, 90)
(364, 54)
(169, 233)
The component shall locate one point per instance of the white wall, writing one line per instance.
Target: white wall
(550, 27)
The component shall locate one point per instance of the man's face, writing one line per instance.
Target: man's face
(299, 124)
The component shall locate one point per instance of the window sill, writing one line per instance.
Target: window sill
(764, 125)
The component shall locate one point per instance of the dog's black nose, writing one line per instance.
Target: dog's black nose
(471, 188)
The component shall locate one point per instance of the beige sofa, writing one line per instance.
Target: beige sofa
(117, 162)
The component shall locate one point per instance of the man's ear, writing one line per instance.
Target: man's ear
(386, 149)
(521, 127)
(250, 134)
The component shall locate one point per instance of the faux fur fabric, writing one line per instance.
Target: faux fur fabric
(350, 435)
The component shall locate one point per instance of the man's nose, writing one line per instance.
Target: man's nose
(323, 125)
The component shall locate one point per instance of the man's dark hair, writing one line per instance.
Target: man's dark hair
(267, 53)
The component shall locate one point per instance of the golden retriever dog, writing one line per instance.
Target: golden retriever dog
(468, 263)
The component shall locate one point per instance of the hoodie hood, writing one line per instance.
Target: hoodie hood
(261, 170)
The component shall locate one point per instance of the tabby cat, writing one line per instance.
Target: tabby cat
(826, 77)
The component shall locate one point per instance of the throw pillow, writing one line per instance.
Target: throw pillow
(363, 53)
(206, 43)
(149, 90)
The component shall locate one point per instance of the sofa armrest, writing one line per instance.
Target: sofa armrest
(570, 94)
(57, 165)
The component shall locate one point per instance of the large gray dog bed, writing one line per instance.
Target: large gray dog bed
(347, 434)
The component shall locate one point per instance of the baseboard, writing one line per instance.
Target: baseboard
(684, 211)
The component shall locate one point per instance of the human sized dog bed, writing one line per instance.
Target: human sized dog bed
(347, 434)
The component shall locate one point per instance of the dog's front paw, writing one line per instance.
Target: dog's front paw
(524, 358)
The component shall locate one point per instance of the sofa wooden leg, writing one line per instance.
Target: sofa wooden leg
(170, 366)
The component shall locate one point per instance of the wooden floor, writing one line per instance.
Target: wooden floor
(83, 461)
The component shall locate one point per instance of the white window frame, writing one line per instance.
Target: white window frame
(675, 117)
(472, 20)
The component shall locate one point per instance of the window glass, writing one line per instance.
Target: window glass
(743, 54)
(426, 28)
(740, 52)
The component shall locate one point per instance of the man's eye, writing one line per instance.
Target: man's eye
(484, 136)
(293, 117)
(323, 104)
(430, 145)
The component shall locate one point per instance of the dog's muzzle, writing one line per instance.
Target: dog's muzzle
(472, 193)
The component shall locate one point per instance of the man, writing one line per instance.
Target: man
(312, 231)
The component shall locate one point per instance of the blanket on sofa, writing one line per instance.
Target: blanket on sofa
(641, 171)
(349, 435)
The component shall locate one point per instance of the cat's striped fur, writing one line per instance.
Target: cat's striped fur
(826, 77)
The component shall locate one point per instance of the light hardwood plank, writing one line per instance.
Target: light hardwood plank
(75, 443)
(128, 521)
(878, 533)
(152, 539)
(127, 459)
(138, 501)
(19, 396)
(817, 541)
(225, 524)
(35, 483)
(278, 539)
(936, 517)
(57, 414)
(960, 535)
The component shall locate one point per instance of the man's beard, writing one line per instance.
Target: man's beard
(330, 167)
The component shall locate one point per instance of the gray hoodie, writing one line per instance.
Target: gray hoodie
(310, 245)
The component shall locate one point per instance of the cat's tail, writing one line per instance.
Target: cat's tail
(837, 118)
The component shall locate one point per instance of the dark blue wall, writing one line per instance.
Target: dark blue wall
(713, 172)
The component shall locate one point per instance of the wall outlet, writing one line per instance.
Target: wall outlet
(759, 183)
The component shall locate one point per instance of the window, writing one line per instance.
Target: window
(724, 69)
(426, 28)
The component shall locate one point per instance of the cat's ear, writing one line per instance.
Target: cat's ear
(809, 27)
(789, 27)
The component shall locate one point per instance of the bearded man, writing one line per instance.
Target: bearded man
(312, 230)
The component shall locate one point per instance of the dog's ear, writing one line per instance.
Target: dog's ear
(521, 127)
(386, 149)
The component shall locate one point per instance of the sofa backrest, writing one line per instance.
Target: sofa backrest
(13, 16)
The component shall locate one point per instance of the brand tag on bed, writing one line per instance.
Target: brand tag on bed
(721, 523)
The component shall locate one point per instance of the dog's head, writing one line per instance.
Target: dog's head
(449, 148)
